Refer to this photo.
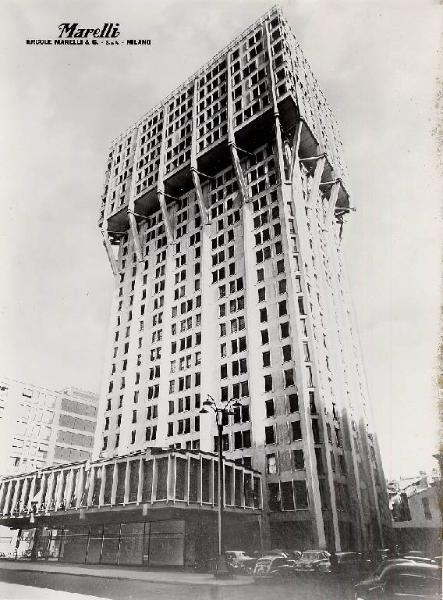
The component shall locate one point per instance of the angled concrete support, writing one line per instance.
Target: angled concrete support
(319, 168)
(166, 218)
(288, 158)
(108, 247)
(295, 149)
(131, 202)
(239, 172)
(330, 212)
(105, 235)
(161, 185)
(200, 198)
(231, 141)
(204, 209)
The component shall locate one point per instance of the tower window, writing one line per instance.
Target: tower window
(271, 464)
(266, 358)
(287, 353)
(298, 459)
(296, 430)
(270, 435)
(270, 411)
(284, 330)
(282, 309)
(293, 403)
(289, 377)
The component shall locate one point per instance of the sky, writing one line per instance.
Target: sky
(60, 107)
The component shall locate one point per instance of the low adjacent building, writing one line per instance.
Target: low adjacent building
(153, 508)
(41, 427)
(416, 513)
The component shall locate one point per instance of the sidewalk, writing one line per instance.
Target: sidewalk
(130, 573)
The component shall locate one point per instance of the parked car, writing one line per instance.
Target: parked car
(401, 580)
(273, 566)
(420, 559)
(294, 554)
(309, 558)
(391, 561)
(279, 552)
(238, 560)
(415, 553)
(350, 564)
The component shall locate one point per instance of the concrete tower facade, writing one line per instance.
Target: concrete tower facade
(222, 216)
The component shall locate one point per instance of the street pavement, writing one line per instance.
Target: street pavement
(88, 587)
(130, 573)
(14, 591)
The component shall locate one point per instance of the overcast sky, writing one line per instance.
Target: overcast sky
(61, 106)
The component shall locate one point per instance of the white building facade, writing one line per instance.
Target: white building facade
(41, 427)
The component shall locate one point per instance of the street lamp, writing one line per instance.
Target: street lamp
(221, 411)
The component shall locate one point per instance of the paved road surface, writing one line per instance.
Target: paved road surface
(14, 591)
(140, 590)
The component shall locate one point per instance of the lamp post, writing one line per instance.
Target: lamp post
(221, 411)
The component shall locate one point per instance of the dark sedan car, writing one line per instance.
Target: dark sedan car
(273, 566)
(405, 580)
(350, 564)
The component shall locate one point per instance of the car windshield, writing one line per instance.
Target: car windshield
(312, 555)
(278, 562)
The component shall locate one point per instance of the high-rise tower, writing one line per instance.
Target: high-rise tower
(222, 216)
